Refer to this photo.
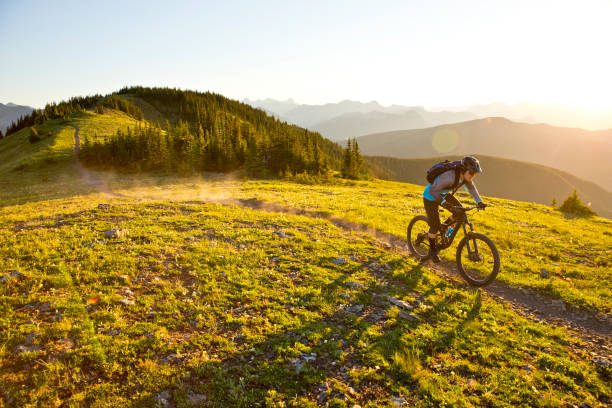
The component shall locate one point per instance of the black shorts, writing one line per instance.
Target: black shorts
(433, 212)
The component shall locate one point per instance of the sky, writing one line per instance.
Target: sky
(429, 53)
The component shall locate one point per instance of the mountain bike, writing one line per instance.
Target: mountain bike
(477, 256)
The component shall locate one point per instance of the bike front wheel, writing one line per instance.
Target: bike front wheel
(477, 259)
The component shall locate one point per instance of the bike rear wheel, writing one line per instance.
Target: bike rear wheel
(477, 259)
(418, 243)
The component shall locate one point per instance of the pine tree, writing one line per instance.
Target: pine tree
(574, 205)
(357, 160)
(347, 161)
(1, 135)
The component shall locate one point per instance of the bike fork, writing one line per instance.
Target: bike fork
(467, 240)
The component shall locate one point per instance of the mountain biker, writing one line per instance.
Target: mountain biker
(438, 194)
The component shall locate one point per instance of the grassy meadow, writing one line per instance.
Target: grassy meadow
(224, 306)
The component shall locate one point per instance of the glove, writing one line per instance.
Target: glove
(481, 205)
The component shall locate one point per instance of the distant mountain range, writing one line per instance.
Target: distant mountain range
(504, 178)
(10, 113)
(337, 121)
(583, 153)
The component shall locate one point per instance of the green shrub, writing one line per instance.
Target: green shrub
(574, 205)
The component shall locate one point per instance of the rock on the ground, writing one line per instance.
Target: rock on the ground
(164, 399)
(408, 316)
(194, 398)
(544, 273)
(297, 365)
(558, 303)
(26, 349)
(338, 260)
(115, 233)
(398, 401)
(354, 285)
(356, 309)
(309, 357)
(528, 368)
(11, 275)
(376, 267)
(281, 234)
(94, 243)
(103, 206)
(322, 392)
(127, 292)
(126, 302)
(602, 363)
(401, 303)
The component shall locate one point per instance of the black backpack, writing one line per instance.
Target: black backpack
(442, 167)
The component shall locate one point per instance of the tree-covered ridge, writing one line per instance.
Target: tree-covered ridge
(202, 109)
(75, 104)
(199, 131)
(228, 144)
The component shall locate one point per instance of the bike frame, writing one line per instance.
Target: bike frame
(460, 224)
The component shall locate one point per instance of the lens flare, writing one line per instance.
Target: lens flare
(445, 140)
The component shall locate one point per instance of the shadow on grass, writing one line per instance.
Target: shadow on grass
(290, 363)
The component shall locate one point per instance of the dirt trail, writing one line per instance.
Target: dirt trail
(594, 329)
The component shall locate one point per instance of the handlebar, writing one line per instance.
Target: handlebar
(466, 209)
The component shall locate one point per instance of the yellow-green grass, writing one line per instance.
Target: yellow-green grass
(228, 302)
(575, 251)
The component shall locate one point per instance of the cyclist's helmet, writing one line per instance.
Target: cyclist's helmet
(471, 163)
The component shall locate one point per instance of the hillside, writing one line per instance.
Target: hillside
(10, 113)
(582, 153)
(358, 124)
(207, 303)
(190, 131)
(505, 178)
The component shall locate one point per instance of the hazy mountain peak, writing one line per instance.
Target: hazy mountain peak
(11, 112)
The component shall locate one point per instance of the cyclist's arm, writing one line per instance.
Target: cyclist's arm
(444, 182)
(470, 187)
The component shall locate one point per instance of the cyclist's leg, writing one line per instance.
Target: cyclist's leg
(452, 200)
(431, 208)
(433, 213)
